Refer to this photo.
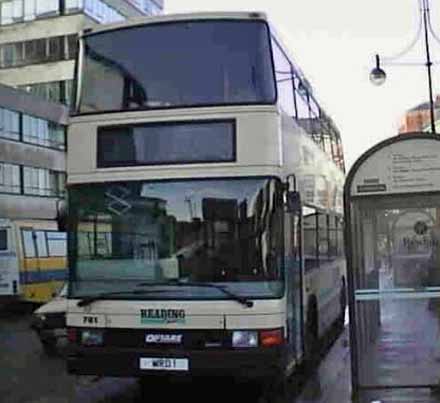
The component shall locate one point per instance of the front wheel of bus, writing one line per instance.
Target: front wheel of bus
(275, 391)
(151, 386)
(49, 347)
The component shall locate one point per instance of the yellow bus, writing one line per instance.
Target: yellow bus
(32, 260)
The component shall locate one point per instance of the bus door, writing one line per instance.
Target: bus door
(33, 244)
(294, 283)
(9, 276)
(392, 209)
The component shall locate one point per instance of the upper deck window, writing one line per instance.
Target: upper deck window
(189, 63)
(166, 143)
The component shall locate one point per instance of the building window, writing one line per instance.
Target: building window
(74, 5)
(38, 51)
(71, 46)
(68, 92)
(41, 132)
(57, 136)
(29, 10)
(17, 10)
(35, 51)
(33, 130)
(6, 13)
(34, 182)
(47, 8)
(11, 55)
(9, 178)
(9, 124)
(43, 182)
(101, 12)
(55, 48)
(151, 8)
(55, 91)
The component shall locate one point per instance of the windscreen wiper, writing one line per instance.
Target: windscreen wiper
(242, 300)
(90, 299)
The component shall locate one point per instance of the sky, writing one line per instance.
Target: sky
(334, 43)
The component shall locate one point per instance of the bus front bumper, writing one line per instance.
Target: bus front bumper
(244, 363)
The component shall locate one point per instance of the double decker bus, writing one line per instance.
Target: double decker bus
(204, 203)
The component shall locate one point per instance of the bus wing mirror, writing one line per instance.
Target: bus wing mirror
(62, 215)
(293, 202)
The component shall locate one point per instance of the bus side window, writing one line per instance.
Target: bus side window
(284, 79)
(28, 243)
(56, 243)
(333, 251)
(310, 238)
(340, 234)
(41, 243)
(323, 237)
(3, 239)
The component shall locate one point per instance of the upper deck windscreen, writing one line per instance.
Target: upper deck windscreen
(186, 63)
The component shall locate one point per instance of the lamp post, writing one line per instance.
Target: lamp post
(378, 75)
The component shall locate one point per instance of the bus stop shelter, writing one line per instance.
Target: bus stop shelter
(392, 210)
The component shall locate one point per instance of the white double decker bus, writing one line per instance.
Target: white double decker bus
(204, 203)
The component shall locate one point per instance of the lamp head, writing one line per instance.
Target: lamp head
(377, 75)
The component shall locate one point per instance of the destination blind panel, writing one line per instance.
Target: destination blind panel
(166, 143)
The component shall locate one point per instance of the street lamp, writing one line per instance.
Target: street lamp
(378, 75)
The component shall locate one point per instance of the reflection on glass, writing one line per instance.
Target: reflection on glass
(216, 231)
(211, 141)
(197, 63)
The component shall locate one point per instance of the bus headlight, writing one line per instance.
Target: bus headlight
(92, 337)
(244, 338)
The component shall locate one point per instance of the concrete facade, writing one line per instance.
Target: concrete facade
(24, 154)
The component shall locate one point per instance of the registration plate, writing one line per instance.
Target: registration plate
(165, 364)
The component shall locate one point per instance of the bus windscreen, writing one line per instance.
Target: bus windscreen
(210, 231)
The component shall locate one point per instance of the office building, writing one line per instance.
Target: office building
(38, 39)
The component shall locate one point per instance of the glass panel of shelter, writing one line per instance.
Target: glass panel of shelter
(397, 289)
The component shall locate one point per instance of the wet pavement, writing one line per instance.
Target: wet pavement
(405, 348)
(331, 381)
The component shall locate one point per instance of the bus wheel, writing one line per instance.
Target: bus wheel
(49, 347)
(311, 334)
(275, 391)
(151, 386)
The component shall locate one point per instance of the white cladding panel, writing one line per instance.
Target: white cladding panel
(257, 140)
(408, 166)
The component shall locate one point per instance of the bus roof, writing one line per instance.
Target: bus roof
(219, 15)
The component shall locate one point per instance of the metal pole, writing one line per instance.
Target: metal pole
(428, 63)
